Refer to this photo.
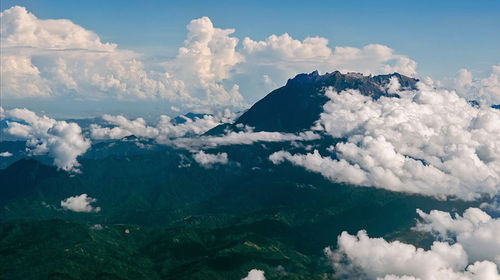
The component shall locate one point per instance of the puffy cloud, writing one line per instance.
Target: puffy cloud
(485, 89)
(491, 84)
(314, 53)
(122, 127)
(58, 58)
(208, 160)
(80, 203)
(361, 257)
(278, 58)
(463, 80)
(429, 142)
(335, 170)
(242, 138)
(255, 274)
(210, 54)
(162, 132)
(476, 231)
(5, 154)
(61, 140)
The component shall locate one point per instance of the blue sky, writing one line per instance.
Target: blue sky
(440, 36)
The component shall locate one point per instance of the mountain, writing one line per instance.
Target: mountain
(297, 105)
(163, 215)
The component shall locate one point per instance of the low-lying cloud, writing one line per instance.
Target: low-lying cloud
(80, 203)
(429, 142)
(208, 160)
(475, 230)
(255, 274)
(362, 257)
(59, 139)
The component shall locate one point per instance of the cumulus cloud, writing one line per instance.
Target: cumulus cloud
(80, 203)
(208, 160)
(485, 89)
(255, 274)
(312, 53)
(429, 142)
(210, 54)
(59, 139)
(242, 138)
(5, 154)
(280, 57)
(361, 257)
(475, 230)
(58, 58)
(164, 130)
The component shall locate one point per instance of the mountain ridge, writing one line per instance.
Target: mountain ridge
(295, 106)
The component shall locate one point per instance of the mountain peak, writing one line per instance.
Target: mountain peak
(297, 105)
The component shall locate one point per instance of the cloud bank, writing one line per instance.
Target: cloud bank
(361, 257)
(430, 142)
(475, 230)
(164, 130)
(80, 203)
(59, 139)
(58, 58)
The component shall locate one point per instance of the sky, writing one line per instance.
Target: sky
(440, 37)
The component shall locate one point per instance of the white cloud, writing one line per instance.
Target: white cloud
(162, 132)
(429, 142)
(485, 89)
(80, 203)
(61, 140)
(255, 274)
(280, 57)
(210, 54)
(208, 160)
(5, 154)
(122, 128)
(58, 58)
(476, 231)
(241, 138)
(463, 80)
(361, 257)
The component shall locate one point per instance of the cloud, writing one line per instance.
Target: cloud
(59, 139)
(335, 170)
(429, 142)
(361, 257)
(5, 154)
(123, 127)
(60, 59)
(241, 138)
(255, 274)
(208, 160)
(210, 54)
(485, 89)
(164, 130)
(81, 203)
(279, 57)
(476, 231)
(57, 58)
